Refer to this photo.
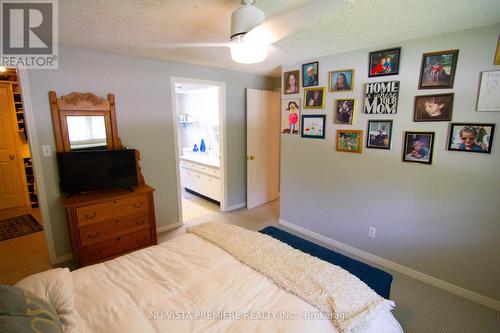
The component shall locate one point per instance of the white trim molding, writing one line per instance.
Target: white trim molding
(168, 227)
(222, 144)
(237, 206)
(37, 168)
(470, 295)
(62, 259)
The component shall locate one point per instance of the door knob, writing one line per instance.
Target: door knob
(251, 157)
(11, 156)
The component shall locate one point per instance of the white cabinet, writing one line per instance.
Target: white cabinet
(201, 178)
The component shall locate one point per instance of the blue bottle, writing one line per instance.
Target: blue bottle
(202, 146)
(195, 148)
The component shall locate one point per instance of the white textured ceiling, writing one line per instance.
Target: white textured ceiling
(126, 26)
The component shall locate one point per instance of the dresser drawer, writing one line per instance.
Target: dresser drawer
(115, 246)
(112, 209)
(97, 232)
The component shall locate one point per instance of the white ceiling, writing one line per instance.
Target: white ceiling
(126, 26)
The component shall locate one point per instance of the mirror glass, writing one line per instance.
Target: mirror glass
(86, 132)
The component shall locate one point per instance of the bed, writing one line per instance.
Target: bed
(187, 284)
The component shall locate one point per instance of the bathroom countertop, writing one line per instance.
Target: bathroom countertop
(202, 159)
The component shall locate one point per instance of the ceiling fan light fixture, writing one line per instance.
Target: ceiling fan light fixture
(248, 53)
(245, 18)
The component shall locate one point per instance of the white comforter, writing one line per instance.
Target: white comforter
(190, 285)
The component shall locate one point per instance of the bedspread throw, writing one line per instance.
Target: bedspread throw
(344, 299)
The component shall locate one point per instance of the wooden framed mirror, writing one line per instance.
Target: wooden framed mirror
(84, 121)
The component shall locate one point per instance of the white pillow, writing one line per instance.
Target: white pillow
(56, 287)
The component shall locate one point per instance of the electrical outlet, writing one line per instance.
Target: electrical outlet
(47, 151)
(371, 232)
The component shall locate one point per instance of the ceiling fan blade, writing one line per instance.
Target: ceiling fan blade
(279, 27)
(186, 45)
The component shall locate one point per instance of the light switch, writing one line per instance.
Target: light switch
(47, 151)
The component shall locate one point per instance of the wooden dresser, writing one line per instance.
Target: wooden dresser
(104, 225)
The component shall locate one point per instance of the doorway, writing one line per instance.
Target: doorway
(21, 224)
(198, 114)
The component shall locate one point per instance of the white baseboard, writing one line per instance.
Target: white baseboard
(234, 207)
(64, 258)
(470, 295)
(168, 227)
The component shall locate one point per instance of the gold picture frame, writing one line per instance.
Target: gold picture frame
(497, 54)
(350, 141)
(344, 110)
(314, 98)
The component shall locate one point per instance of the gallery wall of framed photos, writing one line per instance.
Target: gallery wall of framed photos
(405, 121)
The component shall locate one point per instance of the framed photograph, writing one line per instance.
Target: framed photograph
(344, 111)
(438, 70)
(497, 54)
(384, 62)
(488, 98)
(418, 147)
(350, 141)
(314, 98)
(291, 82)
(290, 116)
(379, 134)
(381, 97)
(433, 107)
(476, 138)
(340, 81)
(313, 126)
(310, 72)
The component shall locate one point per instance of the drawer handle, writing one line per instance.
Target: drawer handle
(90, 216)
(95, 253)
(140, 241)
(138, 205)
(141, 222)
(95, 235)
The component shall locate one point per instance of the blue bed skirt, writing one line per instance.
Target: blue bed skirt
(375, 278)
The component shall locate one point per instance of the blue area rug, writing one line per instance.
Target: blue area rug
(375, 278)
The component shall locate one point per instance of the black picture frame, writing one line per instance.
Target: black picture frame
(373, 141)
(457, 144)
(437, 107)
(433, 68)
(306, 126)
(376, 68)
(421, 152)
(305, 78)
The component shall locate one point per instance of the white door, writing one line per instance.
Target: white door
(263, 128)
(11, 186)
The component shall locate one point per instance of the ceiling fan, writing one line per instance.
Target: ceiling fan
(252, 34)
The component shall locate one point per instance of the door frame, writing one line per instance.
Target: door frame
(37, 167)
(222, 138)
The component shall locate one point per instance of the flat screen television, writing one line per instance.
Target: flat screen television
(95, 170)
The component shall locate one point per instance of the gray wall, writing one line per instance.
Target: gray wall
(144, 112)
(441, 219)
